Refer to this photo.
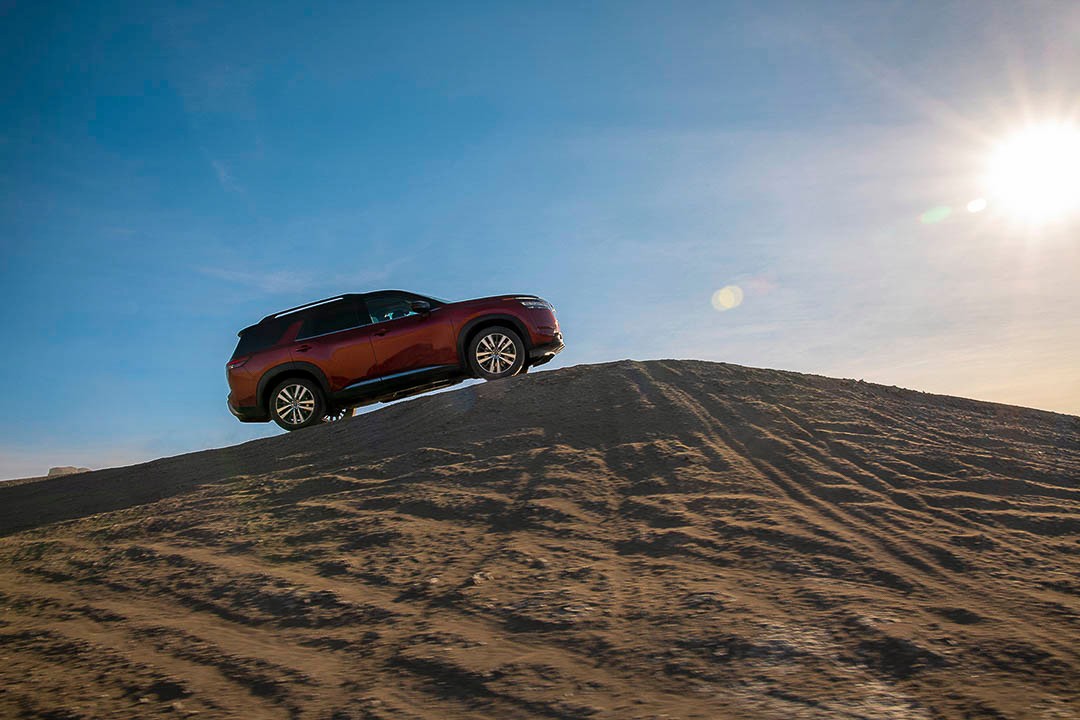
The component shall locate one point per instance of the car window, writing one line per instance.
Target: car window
(387, 307)
(330, 318)
(259, 337)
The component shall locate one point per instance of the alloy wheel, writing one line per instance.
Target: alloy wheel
(496, 353)
(294, 404)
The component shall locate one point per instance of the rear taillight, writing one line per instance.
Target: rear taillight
(236, 363)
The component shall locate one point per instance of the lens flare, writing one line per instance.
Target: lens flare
(935, 215)
(727, 297)
(1034, 175)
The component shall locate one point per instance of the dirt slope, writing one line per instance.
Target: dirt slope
(631, 540)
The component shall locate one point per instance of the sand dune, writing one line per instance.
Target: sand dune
(630, 540)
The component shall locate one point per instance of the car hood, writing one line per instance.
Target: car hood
(495, 299)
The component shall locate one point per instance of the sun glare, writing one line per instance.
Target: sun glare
(1034, 175)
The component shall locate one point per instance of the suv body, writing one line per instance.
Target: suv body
(350, 350)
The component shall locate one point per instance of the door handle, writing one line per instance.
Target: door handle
(303, 348)
(380, 333)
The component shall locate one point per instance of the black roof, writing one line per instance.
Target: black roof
(305, 306)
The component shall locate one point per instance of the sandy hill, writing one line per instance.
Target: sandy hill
(630, 540)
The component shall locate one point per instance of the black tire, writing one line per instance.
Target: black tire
(297, 403)
(496, 352)
(338, 414)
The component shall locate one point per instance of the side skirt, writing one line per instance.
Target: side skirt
(398, 385)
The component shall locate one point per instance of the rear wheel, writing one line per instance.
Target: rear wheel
(297, 403)
(336, 414)
(496, 352)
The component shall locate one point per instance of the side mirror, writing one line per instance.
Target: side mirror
(423, 307)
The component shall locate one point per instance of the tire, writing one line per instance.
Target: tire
(338, 414)
(297, 403)
(496, 352)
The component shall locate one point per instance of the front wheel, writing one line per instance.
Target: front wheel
(297, 403)
(496, 352)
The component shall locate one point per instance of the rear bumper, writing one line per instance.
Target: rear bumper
(247, 414)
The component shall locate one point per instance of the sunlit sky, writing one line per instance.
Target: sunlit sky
(831, 188)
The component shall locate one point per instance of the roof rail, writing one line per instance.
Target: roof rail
(298, 308)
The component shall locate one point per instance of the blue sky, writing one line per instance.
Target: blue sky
(171, 172)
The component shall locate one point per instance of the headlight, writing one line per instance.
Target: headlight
(537, 304)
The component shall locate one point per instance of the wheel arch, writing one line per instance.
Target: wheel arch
(285, 371)
(471, 328)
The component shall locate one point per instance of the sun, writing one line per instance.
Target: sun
(1033, 176)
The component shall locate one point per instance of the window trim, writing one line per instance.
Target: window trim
(309, 306)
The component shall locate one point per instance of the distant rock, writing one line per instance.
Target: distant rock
(66, 470)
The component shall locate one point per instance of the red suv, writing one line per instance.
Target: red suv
(317, 362)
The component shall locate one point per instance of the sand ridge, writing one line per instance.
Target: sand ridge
(673, 539)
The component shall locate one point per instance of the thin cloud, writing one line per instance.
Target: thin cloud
(271, 282)
(279, 282)
(225, 177)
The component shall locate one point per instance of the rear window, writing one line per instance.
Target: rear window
(259, 338)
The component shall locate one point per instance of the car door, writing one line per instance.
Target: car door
(407, 341)
(336, 338)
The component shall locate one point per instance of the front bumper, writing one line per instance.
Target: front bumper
(541, 354)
